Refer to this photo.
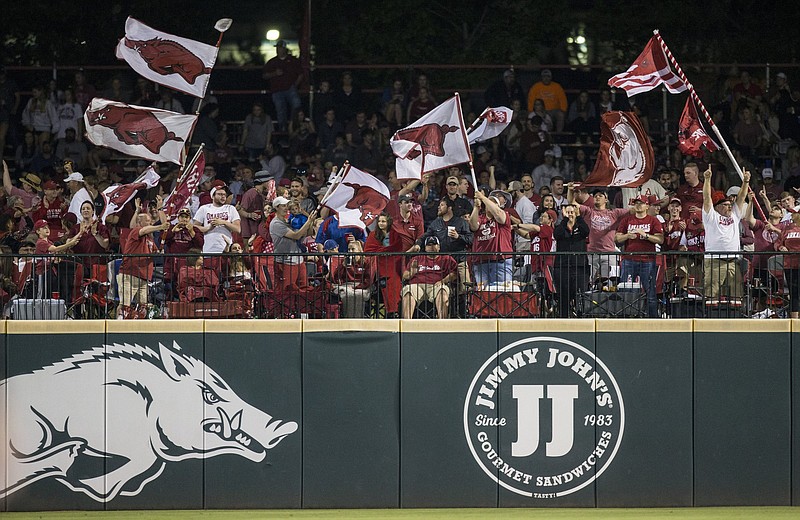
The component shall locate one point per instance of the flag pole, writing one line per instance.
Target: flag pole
(466, 142)
(337, 179)
(702, 107)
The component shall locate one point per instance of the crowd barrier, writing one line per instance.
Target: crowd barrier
(371, 285)
(238, 414)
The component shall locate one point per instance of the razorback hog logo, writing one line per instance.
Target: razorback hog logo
(430, 138)
(122, 193)
(133, 126)
(496, 116)
(626, 153)
(367, 200)
(130, 409)
(167, 57)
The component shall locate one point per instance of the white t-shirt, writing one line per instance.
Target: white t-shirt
(214, 241)
(722, 233)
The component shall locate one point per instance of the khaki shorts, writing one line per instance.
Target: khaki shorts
(426, 291)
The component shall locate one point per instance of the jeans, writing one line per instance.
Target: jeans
(490, 273)
(646, 272)
(285, 100)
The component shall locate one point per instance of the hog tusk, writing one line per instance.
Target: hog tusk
(236, 421)
(226, 424)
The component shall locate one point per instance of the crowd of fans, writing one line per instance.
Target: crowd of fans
(440, 240)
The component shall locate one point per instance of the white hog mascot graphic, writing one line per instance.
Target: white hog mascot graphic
(625, 157)
(131, 407)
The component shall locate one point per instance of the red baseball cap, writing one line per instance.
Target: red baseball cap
(41, 223)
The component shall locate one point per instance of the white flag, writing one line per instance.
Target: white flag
(150, 133)
(435, 141)
(169, 60)
(118, 195)
(358, 199)
(490, 124)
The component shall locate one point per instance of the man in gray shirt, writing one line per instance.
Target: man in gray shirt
(290, 270)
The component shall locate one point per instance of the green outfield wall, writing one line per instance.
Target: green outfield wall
(247, 414)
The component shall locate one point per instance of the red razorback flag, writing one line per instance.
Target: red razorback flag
(692, 137)
(625, 157)
(648, 71)
(184, 189)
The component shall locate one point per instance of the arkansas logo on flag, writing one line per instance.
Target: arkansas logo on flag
(692, 137)
(169, 60)
(358, 199)
(625, 157)
(491, 123)
(184, 188)
(118, 195)
(150, 133)
(435, 141)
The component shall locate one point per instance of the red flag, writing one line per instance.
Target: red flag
(650, 70)
(184, 188)
(358, 199)
(692, 137)
(625, 157)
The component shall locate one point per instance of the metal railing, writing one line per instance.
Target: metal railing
(371, 285)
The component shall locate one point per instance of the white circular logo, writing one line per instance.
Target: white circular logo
(544, 417)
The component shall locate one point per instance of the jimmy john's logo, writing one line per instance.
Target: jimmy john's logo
(544, 417)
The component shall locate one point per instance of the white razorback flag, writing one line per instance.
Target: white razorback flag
(358, 199)
(168, 60)
(491, 123)
(435, 141)
(150, 133)
(118, 195)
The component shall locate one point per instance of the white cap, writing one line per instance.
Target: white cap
(767, 172)
(74, 176)
(733, 190)
(280, 201)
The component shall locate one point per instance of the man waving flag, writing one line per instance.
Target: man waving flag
(435, 141)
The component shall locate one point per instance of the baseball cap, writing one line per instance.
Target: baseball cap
(70, 218)
(280, 201)
(781, 75)
(330, 244)
(552, 214)
(74, 176)
(280, 43)
(733, 190)
(184, 211)
(262, 176)
(508, 73)
(718, 197)
(215, 189)
(676, 199)
(49, 185)
(480, 150)
(546, 72)
(551, 153)
(515, 186)
(641, 198)
(41, 223)
(767, 173)
(431, 241)
(405, 197)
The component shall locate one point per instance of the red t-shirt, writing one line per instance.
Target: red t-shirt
(695, 234)
(432, 270)
(763, 240)
(541, 242)
(790, 238)
(490, 237)
(140, 267)
(690, 197)
(52, 213)
(672, 235)
(409, 231)
(650, 225)
(42, 247)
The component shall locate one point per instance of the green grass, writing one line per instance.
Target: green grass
(700, 513)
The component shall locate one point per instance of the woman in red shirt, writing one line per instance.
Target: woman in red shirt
(789, 242)
(390, 266)
(93, 239)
